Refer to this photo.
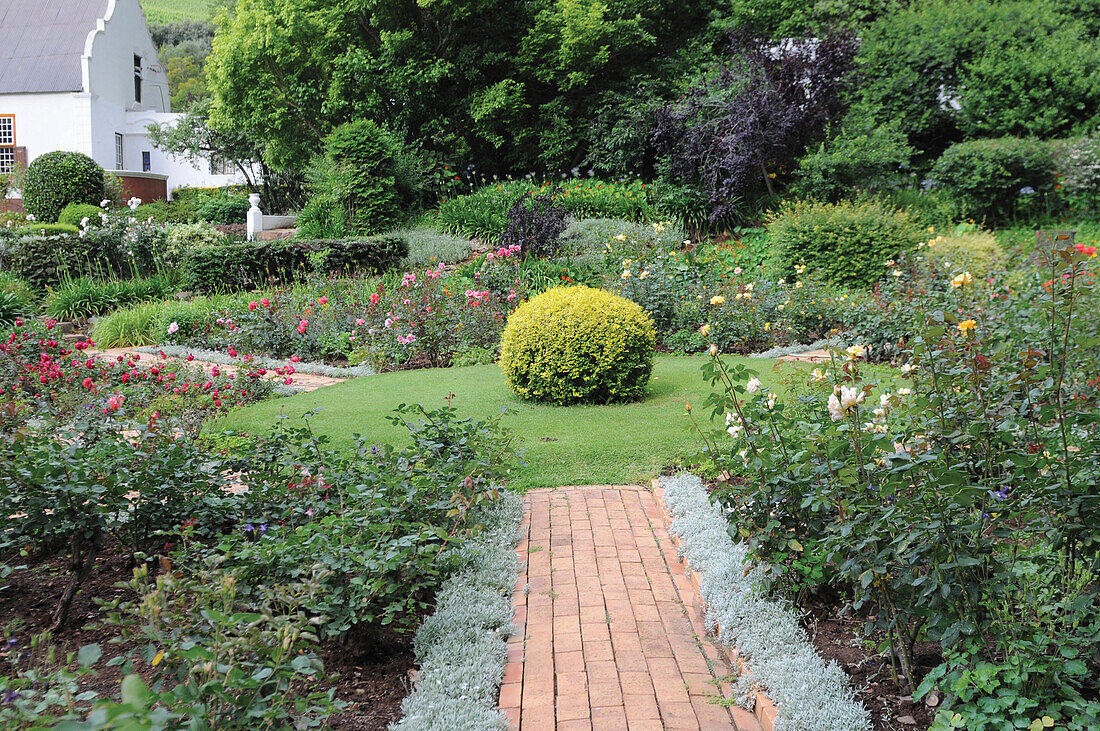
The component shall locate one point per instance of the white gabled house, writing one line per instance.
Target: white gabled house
(84, 75)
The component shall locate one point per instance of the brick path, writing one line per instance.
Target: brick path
(304, 382)
(610, 628)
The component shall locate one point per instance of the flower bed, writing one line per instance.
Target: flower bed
(953, 505)
(275, 551)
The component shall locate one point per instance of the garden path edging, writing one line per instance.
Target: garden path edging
(808, 694)
(763, 707)
(461, 648)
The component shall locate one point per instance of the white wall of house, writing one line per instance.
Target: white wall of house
(48, 122)
(108, 70)
(182, 173)
(88, 121)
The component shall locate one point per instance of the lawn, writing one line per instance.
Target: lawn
(579, 445)
(171, 11)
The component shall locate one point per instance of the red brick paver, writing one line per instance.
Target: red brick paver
(610, 631)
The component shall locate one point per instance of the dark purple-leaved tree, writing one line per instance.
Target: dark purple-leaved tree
(739, 130)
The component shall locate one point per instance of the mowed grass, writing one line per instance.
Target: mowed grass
(578, 445)
(171, 11)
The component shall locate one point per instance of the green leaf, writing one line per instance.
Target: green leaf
(134, 692)
(89, 655)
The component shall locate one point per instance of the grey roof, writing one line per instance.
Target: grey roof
(41, 42)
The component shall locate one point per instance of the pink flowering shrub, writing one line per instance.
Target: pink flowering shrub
(40, 374)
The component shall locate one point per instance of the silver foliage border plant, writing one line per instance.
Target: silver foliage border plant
(462, 647)
(810, 694)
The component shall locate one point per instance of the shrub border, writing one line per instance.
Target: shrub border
(462, 647)
(811, 695)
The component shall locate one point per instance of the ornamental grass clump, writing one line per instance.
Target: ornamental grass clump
(574, 345)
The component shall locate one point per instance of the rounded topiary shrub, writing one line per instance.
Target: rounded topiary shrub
(57, 179)
(573, 345)
(845, 244)
(967, 248)
(75, 213)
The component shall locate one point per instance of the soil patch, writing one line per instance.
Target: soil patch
(840, 638)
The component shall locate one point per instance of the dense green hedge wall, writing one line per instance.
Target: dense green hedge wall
(245, 265)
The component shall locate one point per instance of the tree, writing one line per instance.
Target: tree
(192, 138)
(501, 84)
(945, 70)
(740, 129)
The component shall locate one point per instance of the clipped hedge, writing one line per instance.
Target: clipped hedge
(574, 345)
(987, 177)
(246, 265)
(44, 260)
(57, 179)
(844, 243)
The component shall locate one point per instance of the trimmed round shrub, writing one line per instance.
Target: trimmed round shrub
(57, 179)
(573, 345)
(74, 213)
(841, 243)
(988, 177)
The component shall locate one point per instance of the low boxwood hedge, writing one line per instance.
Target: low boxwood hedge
(246, 265)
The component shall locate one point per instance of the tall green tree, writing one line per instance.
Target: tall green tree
(499, 83)
(949, 69)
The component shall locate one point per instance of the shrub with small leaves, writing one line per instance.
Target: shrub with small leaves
(842, 243)
(56, 179)
(578, 345)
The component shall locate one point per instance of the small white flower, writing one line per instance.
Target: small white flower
(836, 412)
(908, 368)
(904, 391)
(133, 203)
(30, 217)
(884, 400)
(753, 385)
(818, 376)
(782, 281)
(737, 270)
